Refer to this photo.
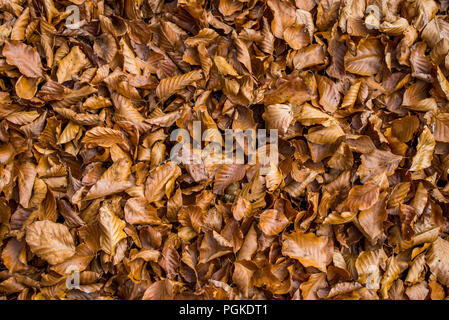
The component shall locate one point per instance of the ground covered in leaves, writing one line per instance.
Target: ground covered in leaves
(357, 207)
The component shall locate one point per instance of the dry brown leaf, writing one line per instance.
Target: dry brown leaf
(310, 250)
(114, 180)
(424, 153)
(50, 241)
(272, 222)
(368, 59)
(24, 57)
(111, 230)
(169, 86)
(71, 64)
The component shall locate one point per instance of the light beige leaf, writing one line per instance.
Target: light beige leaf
(326, 135)
(204, 37)
(99, 102)
(435, 30)
(418, 291)
(158, 118)
(274, 178)
(229, 7)
(368, 266)
(391, 274)
(351, 95)
(336, 218)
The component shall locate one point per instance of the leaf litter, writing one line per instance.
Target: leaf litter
(356, 208)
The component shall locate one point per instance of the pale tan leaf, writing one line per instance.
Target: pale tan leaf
(70, 132)
(391, 274)
(326, 135)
